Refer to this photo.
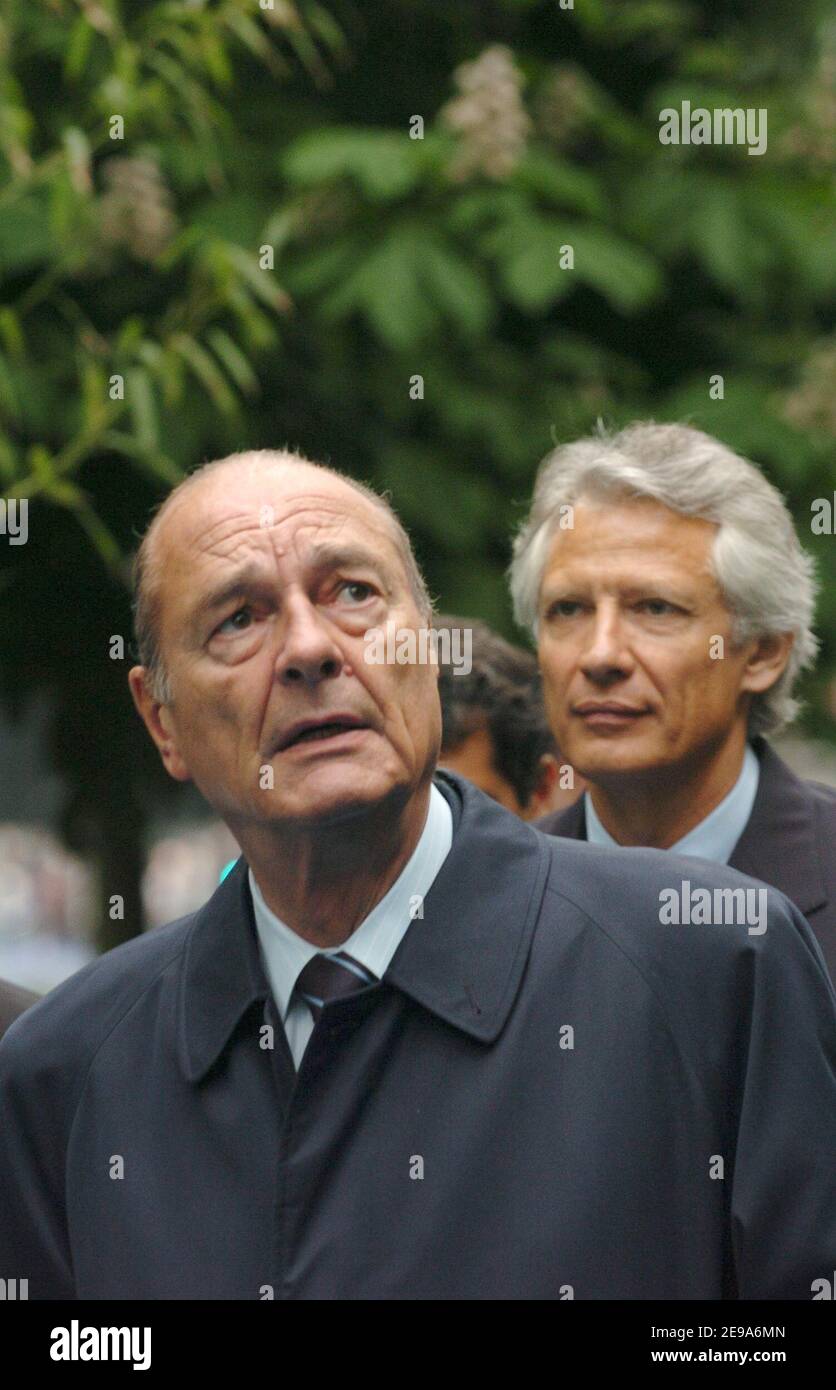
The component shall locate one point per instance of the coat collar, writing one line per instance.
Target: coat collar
(779, 842)
(463, 960)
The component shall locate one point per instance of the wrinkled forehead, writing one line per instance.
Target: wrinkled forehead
(241, 514)
(285, 508)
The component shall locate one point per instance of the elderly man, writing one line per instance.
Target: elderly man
(411, 1047)
(672, 606)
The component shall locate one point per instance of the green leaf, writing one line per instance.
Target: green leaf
(386, 287)
(206, 370)
(560, 183)
(158, 465)
(10, 332)
(234, 217)
(383, 163)
(459, 291)
(25, 239)
(529, 250)
(78, 48)
(139, 394)
(260, 281)
(234, 360)
(254, 39)
(9, 465)
(624, 274)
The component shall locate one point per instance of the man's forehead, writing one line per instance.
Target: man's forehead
(630, 539)
(623, 526)
(290, 503)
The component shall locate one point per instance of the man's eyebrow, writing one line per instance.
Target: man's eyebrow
(241, 583)
(327, 555)
(671, 586)
(339, 554)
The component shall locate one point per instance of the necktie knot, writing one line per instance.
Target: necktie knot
(327, 977)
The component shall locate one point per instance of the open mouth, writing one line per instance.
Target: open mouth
(319, 733)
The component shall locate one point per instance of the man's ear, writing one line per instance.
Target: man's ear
(540, 801)
(157, 720)
(767, 661)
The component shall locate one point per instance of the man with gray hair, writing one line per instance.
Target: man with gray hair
(672, 606)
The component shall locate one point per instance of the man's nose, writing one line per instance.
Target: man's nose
(308, 651)
(606, 657)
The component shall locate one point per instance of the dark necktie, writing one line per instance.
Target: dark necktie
(331, 977)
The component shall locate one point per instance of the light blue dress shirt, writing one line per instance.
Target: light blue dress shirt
(373, 943)
(716, 836)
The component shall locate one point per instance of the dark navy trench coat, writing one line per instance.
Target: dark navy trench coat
(549, 1095)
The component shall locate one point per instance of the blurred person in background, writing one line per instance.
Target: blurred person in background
(672, 605)
(494, 727)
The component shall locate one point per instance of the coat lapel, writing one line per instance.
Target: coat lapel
(465, 957)
(779, 843)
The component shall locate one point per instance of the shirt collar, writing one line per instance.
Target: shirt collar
(463, 960)
(375, 940)
(714, 837)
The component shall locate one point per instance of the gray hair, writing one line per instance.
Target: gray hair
(766, 578)
(146, 567)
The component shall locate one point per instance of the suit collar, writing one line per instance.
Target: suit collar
(779, 841)
(222, 976)
(463, 960)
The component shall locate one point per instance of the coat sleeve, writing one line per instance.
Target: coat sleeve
(33, 1116)
(783, 1196)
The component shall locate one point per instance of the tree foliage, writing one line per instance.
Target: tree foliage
(309, 207)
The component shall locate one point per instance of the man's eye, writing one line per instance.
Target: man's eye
(563, 608)
(355, 584)
(657, 606)
(244, 612)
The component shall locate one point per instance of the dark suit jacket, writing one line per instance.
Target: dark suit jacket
(789, 842)
(13, 1002)
(529, 1105)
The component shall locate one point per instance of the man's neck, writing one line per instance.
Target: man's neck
(656, 812)
(323, 882)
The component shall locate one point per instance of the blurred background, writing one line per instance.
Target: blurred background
(337, 226)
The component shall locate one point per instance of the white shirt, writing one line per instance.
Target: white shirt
(373, 943)
(716, 836)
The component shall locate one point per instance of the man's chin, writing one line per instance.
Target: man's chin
(613, 758)
(323, 799)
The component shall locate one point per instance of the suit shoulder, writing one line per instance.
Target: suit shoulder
(824, 797)
(671, 912)
(74, 1018)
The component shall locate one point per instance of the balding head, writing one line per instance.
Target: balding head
(229, 473)
(259, 582)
